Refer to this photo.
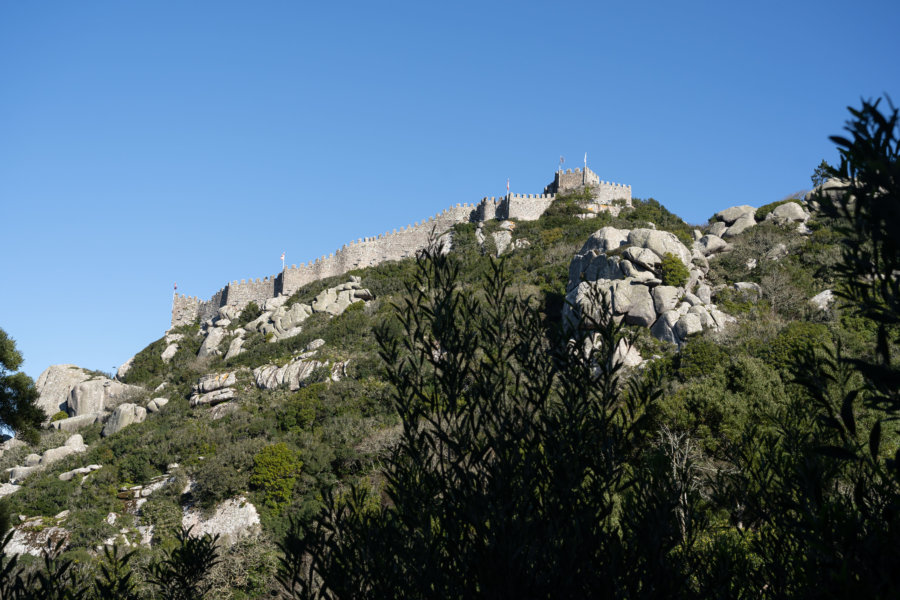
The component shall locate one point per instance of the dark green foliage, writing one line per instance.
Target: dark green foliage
(821, 173)
(182, 574)
(673, 271)
(114, 580)
(700, 357)
(651, 211)
(275, 471)
(227, 472)
(18, 395)
(56, 579)
(251, 311)
(867, 210)
(490, 492)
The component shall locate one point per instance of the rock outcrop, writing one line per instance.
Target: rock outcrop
(97, 395)
(124, 415)
(213, 389)
(232, 520)
(55, 384)
(624, 267)
(279, 320)
(74, 445)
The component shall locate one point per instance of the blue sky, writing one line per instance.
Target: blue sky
(144, 143)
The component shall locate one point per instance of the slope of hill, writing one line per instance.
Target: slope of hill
(241, 423)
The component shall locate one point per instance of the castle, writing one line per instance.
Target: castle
(397, 245)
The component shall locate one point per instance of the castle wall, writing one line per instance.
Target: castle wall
(607, 191)
(527, 207)
(394, 245)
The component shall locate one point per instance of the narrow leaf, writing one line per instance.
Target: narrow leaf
(875, 440)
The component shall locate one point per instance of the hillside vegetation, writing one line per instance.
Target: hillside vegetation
(457, 438)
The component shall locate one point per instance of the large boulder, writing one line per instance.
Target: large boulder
(291, 375)
(74, 445)
(789, 212)
(97, 395)
(664, 328)
(76, 423)
(822, 300)
(236, 346)
(643, 257)
(718, 228)
(124, 368)
(210, 345)
(288, 319)
(688, 325)
(169, 353)
(215, 381)
(741, 225)
(641, 311)
(665, 298)
(710, 244)
(124, 415)
(660, 242)
(54, 385)
(502, 240)
(214, 397)
(592, 263)
(156, 404)
(730, 215)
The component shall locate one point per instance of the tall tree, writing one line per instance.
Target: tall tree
(18, 410)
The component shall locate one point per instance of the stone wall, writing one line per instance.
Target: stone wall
(185, 309)
(391, 245)
(606, 192)
(527, 207)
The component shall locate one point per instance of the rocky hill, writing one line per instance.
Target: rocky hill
(236, 424)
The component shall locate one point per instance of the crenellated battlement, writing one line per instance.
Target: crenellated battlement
(395, 245)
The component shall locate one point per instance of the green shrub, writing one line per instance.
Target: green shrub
(59, 416)
(699, 357)
(251, 311)
(301, 410)
(275, 471)
(673, 270)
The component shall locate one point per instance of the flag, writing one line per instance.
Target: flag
(507, 185)
(282, 256)
(562, 159)
(176, 286)
(585, 159)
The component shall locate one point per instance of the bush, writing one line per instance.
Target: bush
(251, 311)
(275, 470)
(59, 416)
(673, 271)
(699, 357)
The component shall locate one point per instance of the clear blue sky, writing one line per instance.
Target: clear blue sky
(143, 143)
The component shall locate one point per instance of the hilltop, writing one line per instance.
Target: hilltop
(263, 397)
